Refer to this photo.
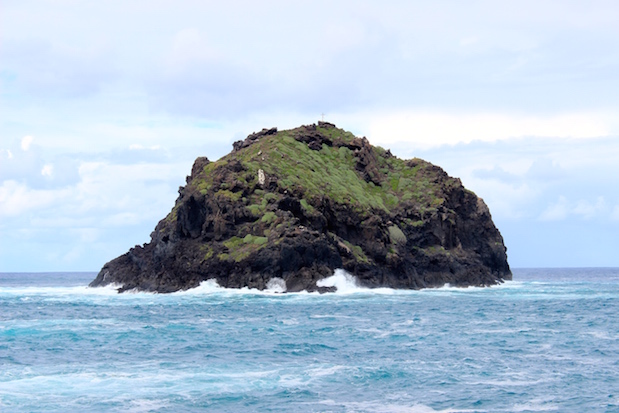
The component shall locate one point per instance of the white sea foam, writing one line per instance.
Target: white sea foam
(276, 285)
(146, 405)
(210, 286)
(325, 371)
(344, 282)
(534, 406)
(25, 292)
(382, 407)
(206, 287)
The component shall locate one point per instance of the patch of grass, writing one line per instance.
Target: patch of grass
(256, 210)
(234, 242)
(415, 224)
(253, 239)
(173, 215)
(232, 196)
(306, 206)
(436, 250)
(241, 248)
(359, 254)
(396, 235)
(269, 217)
(209, 253)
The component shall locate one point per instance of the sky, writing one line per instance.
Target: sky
(105, 105)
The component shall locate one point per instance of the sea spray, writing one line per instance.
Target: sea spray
(342, 281)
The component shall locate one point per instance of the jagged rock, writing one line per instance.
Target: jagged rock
(289, 207)
(252, 138)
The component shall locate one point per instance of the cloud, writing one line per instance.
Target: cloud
(37, 167)
(546, 170)
(47, 170)
(301, 55)
(426, 129)
(17, 199)
(111, 207)
(25, 144)
(41, 68)
(497, 173)
(589, 210)
(557, 211)
(584, 209)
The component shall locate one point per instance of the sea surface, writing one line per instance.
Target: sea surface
(547, 341)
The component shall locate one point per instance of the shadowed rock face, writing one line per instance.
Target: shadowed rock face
(298, 204)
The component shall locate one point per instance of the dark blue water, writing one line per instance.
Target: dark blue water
(548, 341)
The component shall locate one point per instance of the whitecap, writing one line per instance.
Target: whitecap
(344, 282)
(276, 285)
(25, 292)
(147, 405)
(206, 287)
(382, 407)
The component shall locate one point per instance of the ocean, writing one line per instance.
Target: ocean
(547, 341)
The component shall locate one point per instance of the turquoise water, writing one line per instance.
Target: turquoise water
(548, 341)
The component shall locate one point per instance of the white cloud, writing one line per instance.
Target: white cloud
(17, 199)
(557, 211)
(47, 170)
(426, 129)
(26, 142)
(87, 234)
(589, 210)
(562, 209)
(506, 200)
(123, 219)
(190, 47)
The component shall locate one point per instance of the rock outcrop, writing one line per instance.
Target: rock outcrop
(295, 205)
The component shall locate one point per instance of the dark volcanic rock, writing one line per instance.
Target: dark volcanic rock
(297, 204)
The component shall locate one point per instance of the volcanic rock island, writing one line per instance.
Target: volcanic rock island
(292, 206)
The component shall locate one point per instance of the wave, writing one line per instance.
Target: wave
(386, 407)
(108, 290)
(344, 283)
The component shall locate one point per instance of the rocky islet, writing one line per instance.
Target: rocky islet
(292, 206)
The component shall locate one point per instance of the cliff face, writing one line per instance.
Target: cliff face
(297, 204)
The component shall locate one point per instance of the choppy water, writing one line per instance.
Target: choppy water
(548, 341)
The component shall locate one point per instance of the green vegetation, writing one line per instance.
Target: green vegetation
(437, 250)
(208, 252)
(359, 254)
(241, 248)
(306, 206)
(396, 235)
(330, 172)
(232, 196)
(173, 215)
(268, 217)
(256, 210)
